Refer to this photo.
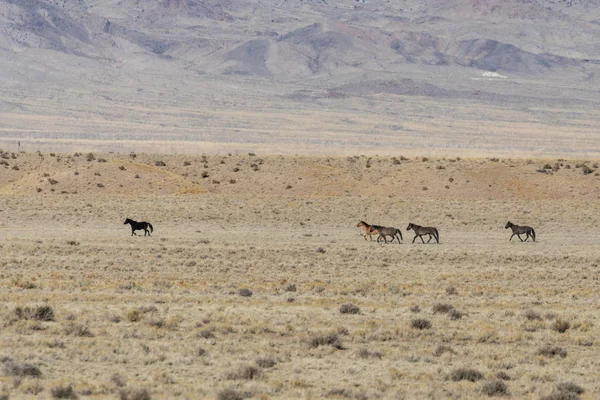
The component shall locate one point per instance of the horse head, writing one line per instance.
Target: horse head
(508, 225)
(409, 227)
(127, 221)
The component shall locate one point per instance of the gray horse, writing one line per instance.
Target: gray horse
(385, 231)
(420, 231)
(520, 230)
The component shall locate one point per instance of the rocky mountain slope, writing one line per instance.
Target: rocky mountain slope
(235, 72)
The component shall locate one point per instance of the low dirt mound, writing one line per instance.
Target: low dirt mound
(91, 174)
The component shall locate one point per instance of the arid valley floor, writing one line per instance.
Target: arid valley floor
(239, 291)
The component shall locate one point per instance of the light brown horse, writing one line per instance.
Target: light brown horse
(370, 230)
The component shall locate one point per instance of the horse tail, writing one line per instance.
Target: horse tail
(437, 235)
(150, 226)
(398, 231)
(533, 234)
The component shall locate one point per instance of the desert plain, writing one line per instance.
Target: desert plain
(256, 282)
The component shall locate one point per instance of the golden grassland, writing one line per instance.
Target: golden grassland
(257, 283)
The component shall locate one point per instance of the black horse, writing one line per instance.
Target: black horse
(520, 230)
(138, 226)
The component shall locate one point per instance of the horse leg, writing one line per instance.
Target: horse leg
(511, 236)
(415, 238)
(422, 240)
(519, 236)
(429, 238)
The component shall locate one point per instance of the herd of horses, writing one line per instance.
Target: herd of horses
(372, 230)
(432, 232)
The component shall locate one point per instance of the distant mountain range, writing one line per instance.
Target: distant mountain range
(133, 69)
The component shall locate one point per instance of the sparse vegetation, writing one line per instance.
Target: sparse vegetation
(495, 388)
(326, 340)
(245, 292)
(420, 324)
(349, 309)
(550, 351)
(466, 374)
(39, 313)
(63, 392)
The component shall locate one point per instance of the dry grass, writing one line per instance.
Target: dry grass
(160, 316)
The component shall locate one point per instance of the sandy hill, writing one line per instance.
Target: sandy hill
(296, 177)
(470, 75)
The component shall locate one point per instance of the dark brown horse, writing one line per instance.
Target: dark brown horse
(420, 231)
(520, 230)
(138, 226)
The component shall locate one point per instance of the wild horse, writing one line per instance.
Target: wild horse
(520, 230)
(138, 226)
(420, 231)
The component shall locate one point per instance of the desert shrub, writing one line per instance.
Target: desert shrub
(134, 315)
(266, 362)
(216, 182)
(495, 388)
(52, 181)
(586, 170)
(231, 394)
(290, 288)
(39, 313)
(4, 162)
(117, 380)
(395, 161)
(415, 309)
(420, 324)
(321, 250)
(244, 372)
(245, 292)
(347, 394)
(547, 166)
(349, 309)
(90, 157)
(15, 167)
(100, 185)
(494, 159)
(364, 353)
(503, 375)
(455, 315)
(206, 334)
(441, 308)
(549, 351)
(63, 392)
(570, 387)
(137, 176)
(466, 374)
(441, 349)
(561, 325)
(451, 290)
(440, 167)
(122, 167)
(532, 315)
(72, 243)
(160, 163)
(186, 163)
(12, 368)
(101, 160)
(424, 159)
(204, 174)
(135, 394)
(326, 340)
(556, 395)
(78, 330)
(232, 181)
